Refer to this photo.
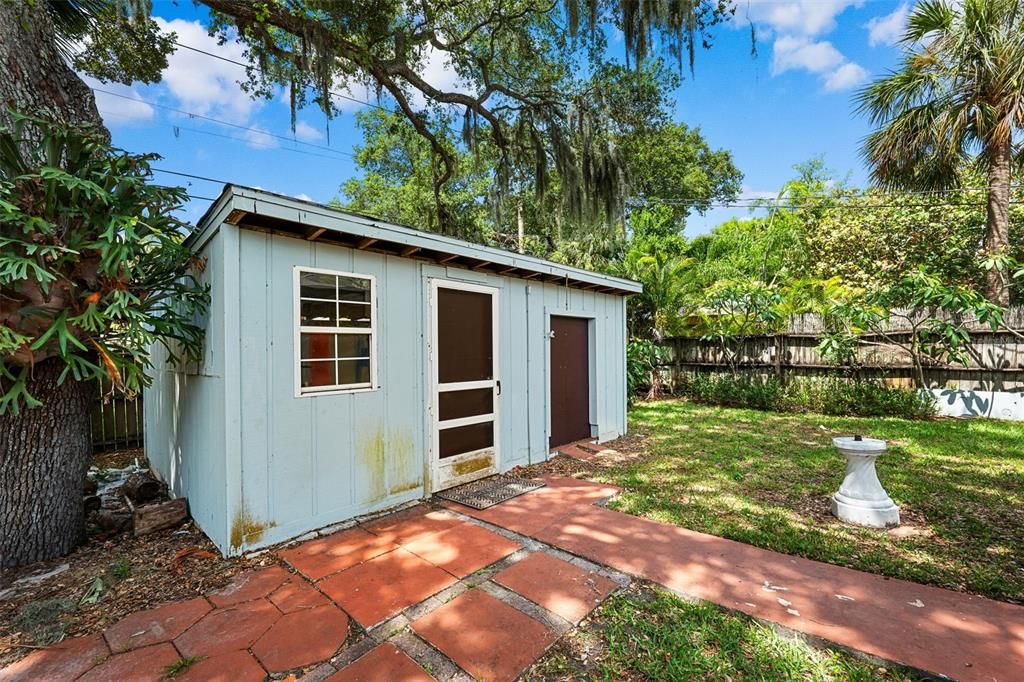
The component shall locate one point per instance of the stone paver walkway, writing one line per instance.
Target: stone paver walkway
(460, 594)
(939, 631)
(410, 594)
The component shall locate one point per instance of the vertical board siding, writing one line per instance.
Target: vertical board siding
(308, 462)
(184, 416)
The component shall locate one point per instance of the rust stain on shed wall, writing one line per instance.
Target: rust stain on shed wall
(246, 529)
(468, 466)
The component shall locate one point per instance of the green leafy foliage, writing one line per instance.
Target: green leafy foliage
(832, 395)
(956, 103)
(920, 314)
(93, 268)
(644, 360)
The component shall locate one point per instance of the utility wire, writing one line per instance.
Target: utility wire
(222, 122)
(246, 66)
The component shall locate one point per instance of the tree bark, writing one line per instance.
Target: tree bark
(997, 240)
(44, 454)
(36, 78)
(44, 451)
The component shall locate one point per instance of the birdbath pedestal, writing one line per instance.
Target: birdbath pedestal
(861, 499)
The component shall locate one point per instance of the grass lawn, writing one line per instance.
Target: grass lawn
(649, 634)
(765, 479)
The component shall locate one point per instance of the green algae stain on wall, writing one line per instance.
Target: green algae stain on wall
(371, 458)
(388, 465)
(405, 470)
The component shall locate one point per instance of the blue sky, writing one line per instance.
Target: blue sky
(790, 103)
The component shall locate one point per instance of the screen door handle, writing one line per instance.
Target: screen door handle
(498, 384)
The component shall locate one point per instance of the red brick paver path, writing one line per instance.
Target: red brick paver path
(959, 635)
(488, 638)
(385, 662)
(560, 587)
(409, 569)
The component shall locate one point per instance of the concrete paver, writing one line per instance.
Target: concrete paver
(381, 587)
(153, 626)
(463, 548)
(234, 666)
(147, 664)
(557, 585)
(230, 629)
(302, 638)
(62, 661)
(247, 586)
(487, 638)
(385, 662)
(319, 558)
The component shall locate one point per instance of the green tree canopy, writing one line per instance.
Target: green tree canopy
(957, 100)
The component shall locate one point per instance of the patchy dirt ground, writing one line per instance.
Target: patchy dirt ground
(107, 578)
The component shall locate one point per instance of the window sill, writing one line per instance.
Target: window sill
(337, 391)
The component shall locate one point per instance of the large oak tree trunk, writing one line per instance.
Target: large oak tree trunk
(35, 77)
(44, 454)
(44, 451)
(997, 289)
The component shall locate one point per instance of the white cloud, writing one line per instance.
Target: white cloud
(797, 27)
(795, 53)
(304, 197)
(847, 76)
(888, 29)
(438, 72)
(790, 52)
(795, 17)
(306, 132)
(203, 84)
(117, 111)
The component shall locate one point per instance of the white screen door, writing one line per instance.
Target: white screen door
(465, 383)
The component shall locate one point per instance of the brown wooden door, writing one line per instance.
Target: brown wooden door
(570, 380)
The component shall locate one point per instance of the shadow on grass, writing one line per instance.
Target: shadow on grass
(765, 478)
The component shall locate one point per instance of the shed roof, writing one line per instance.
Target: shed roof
(258, 209)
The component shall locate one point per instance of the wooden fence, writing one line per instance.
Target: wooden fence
(996, 358)
(117, 422)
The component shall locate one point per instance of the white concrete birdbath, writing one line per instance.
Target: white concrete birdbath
(861, 498)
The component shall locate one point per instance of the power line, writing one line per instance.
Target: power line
(244, 65)
(189, 175)
(218, 121)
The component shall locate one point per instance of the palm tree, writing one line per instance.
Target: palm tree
(957, 99)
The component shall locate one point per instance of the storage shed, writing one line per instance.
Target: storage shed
(351, 365)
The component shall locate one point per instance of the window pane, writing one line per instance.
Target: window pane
(316, 285)
(466, 439)
(318, 314)
(353, 315)
(458, 404)
(318, 374)
(317, 346)
(353, 371)
(353, 345)
(353, 289)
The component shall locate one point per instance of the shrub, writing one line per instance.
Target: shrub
(832, 395)
(643, 361)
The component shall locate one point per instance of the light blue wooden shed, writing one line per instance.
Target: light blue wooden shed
(352, 365)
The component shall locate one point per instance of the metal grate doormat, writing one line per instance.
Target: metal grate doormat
(488, 492)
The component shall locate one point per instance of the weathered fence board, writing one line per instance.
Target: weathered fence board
(996, 358)
(117, 422)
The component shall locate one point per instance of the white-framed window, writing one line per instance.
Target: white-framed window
(335, 332)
